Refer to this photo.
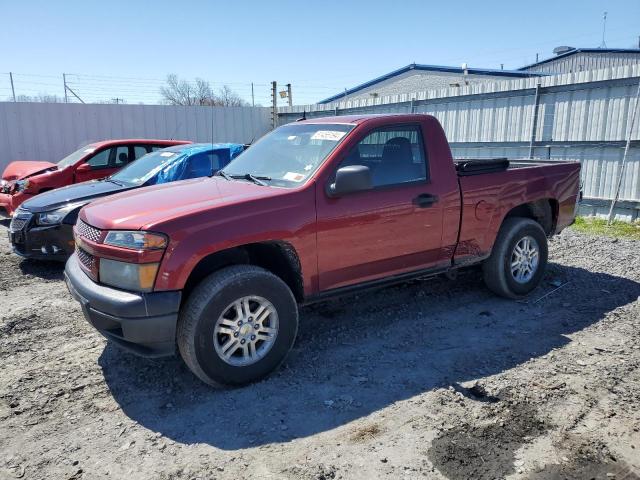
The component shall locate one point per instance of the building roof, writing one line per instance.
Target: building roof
(581, 50)
(362, 118)
(433, 68)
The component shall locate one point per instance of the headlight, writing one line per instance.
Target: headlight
(138, 277)
(136, 240)
(50, 218)
(22, 185)
(55, 217)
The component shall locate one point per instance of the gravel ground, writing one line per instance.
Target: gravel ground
(428, 379)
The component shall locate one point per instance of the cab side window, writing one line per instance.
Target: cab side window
(199, 165)
(100, 159)
(140, 150)
(395, 155)
(121, 157)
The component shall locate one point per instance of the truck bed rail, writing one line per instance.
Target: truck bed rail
(476, 166)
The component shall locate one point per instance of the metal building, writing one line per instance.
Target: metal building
(570, 59)
(581, 116)
(416, 77)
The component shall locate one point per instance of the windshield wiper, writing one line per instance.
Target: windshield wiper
(224, 175)
(114, 181)
(257, 179)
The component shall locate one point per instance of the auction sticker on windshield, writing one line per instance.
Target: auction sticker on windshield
(333, 135)
(293, 177)
(167, 154)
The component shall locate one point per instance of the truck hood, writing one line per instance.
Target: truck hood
(146, 207)
(73, 194)
(22, 169)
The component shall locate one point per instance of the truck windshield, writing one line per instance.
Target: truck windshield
(287, 156)
(72, 158)
(147, 167)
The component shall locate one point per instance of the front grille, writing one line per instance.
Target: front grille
(17, 224)
(87, 231)
(19, 220)
(86, 259)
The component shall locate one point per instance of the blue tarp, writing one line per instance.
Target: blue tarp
(196, 161)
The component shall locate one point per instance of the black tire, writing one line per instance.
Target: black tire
(497, 268)
(208, 302)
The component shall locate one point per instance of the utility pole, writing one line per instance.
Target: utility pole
(274, 103)
(253, 98)
(13, 90)
(289, 94)
(624, 156)
(604, 30)
(534, 120)
(67, 88)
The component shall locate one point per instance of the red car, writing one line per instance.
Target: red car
(23, 179)
(314, 209)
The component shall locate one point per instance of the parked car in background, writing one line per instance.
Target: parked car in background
(22, 180)
(314, 209)
(42, 227)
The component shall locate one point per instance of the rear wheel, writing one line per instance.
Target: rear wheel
(237, 326)
(518, 260)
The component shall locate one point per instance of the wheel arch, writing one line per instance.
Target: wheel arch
(543, 211)
(278, 257)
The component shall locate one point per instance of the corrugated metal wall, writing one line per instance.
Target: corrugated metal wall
(581, 61)
(50, 131)
(581, 116)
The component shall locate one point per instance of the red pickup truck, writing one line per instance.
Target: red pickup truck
(315, 208)
(23, 179)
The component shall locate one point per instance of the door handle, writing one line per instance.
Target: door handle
(425, 200)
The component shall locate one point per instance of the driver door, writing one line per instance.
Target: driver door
(101, 164)
(386, 231)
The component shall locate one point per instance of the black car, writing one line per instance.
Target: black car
(42, 227)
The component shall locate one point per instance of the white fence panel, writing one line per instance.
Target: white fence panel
(50, 131)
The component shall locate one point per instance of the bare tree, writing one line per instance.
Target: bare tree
(182, 92)
(177, 92)
(40, 98)
(228, 98)
(204, 95)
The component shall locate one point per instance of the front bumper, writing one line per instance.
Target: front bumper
(10, 202)
(143, 323)
(6, 206)
(45, 243)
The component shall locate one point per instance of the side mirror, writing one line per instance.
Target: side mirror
(84, 168)
(354, 178)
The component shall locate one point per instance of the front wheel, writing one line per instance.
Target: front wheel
(237, 326)
(518, 259)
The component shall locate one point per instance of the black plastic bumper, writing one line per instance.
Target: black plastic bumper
(45, 243)
(144, 323)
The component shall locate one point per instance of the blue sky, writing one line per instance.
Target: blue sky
(126, 48)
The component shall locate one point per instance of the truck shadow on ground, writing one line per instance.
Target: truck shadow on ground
(363, 353)
(45, 269)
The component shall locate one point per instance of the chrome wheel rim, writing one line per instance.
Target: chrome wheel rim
(246, 331)
(525, 259)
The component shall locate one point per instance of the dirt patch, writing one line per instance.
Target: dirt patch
(586, 460)
(365, 432)
(486, 451)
